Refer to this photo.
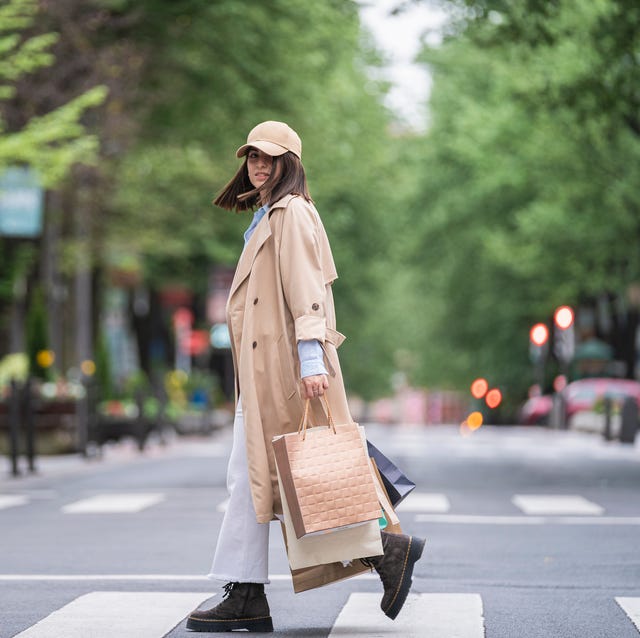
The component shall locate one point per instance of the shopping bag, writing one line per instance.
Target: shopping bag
(307, 578)
(326, 477)
(397, 485)
(342, 545)
(393, 522)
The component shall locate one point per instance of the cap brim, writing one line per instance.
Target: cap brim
(270, 148)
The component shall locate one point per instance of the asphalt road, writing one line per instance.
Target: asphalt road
(531, 533)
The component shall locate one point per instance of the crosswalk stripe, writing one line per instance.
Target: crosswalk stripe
(425, 502)
(12, 500)
(555, 504)
(103, 614)
(631, 607)
(423, 616)
(113, 503)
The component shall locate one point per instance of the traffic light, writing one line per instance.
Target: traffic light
(563, 334)
(539, 334)
(538, 342)
(563, 317)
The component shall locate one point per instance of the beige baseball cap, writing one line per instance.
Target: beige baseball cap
(272, 138)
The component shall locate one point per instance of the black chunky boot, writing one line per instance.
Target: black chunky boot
(395, 568)
(244, 607)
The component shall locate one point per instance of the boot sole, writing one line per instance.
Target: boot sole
(416, 547)
(263, 624)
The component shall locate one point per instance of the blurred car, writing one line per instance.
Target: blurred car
(583, 395)
(536, 410)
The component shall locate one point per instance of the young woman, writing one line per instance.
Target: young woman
(283, 334)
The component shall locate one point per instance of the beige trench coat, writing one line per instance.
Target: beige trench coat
(281, 293)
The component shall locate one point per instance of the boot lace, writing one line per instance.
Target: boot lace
(228, 588)
(367, 562)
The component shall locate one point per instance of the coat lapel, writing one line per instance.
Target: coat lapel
(261, 233)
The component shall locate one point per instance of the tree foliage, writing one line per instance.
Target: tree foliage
(185, 81)
(529, 173)
(214, 70)
(53, 142)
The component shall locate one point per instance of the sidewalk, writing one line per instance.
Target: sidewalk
(113, 454)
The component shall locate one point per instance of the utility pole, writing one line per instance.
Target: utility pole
(83, 289)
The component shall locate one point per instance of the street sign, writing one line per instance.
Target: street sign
(21, 199)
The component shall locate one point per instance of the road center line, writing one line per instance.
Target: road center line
(134, 577)
(462, 519)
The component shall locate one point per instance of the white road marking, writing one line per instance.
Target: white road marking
(423, 616)
(137, 577)
(113, 503)
(631, 607)
(102, 614)
(425, 502)
(462, 519)
(555, 504)
(222, 507)
(12, 500)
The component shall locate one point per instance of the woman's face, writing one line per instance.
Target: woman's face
(258, 166)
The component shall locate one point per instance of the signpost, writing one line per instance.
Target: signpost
(21, 203)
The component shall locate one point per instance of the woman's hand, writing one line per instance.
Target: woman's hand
(315, 385)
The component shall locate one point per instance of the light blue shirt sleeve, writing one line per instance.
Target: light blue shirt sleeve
(311, 358)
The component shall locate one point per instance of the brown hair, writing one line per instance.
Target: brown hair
(287, 176)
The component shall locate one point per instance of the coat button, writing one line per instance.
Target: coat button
(255, 301)
(315, 306)
(255, 344)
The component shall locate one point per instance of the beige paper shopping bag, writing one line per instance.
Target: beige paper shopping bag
(316, 576)
(346, 544)
(326, 477)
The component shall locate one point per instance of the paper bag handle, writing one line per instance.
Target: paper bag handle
(304, 423)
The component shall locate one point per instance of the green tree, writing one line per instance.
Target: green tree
(529, 169)
(218, 69)
(49, 143)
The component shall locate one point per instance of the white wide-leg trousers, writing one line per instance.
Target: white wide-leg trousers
(242, 552)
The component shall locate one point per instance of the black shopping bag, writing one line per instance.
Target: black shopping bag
(397, 484)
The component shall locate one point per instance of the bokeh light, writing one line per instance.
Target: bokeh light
(474, 420)
(563, 317)
(493, 398)
(45, 358)
(88, 367)
(539, 334)
(465, 430)
(479, 388)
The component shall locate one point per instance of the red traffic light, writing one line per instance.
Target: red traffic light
(563, 317)
(539, 334)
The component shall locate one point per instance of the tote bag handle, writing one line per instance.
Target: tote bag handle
(304, 423)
